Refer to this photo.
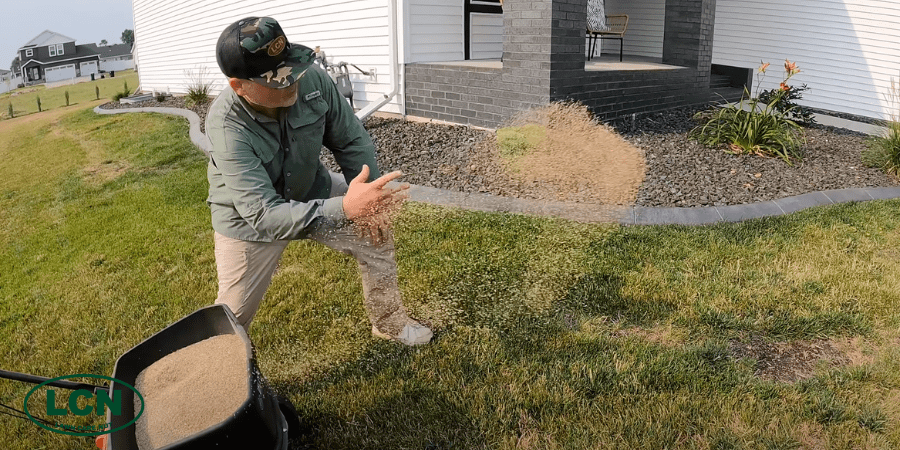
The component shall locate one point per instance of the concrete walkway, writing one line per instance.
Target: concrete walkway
(625, 215)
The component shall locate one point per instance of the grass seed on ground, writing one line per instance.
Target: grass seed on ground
(562, 146)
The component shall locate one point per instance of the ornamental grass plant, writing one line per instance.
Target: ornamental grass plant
(884, 151)
(199, 86)
(752, 126)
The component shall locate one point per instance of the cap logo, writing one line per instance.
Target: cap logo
(276, 46)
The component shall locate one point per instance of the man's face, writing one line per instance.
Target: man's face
(265, 96)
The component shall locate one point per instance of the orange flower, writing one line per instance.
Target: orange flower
(763, 67)
(790, 67)
(785, 87)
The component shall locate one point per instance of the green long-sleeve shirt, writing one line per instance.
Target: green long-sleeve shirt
(265, 178)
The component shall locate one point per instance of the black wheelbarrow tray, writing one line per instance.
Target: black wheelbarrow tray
(261, 422)
(264, 420)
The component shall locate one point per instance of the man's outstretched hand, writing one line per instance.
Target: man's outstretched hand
(369, 205)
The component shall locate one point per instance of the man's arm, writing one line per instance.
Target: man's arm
(248, 185)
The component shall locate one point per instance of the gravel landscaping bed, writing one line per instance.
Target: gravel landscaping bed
(680, 172)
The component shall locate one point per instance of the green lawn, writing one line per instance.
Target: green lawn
(24, 100)
(549, 334)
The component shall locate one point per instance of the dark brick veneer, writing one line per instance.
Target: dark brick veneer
(543, 61)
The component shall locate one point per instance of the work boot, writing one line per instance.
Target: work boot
(413, 333)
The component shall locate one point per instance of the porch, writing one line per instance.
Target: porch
(596, 64)
(545, 59)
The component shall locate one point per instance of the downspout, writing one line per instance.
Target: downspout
(395, 85)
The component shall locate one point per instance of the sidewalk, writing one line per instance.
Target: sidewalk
(838, 122)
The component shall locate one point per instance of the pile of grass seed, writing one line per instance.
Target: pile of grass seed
(191, 390)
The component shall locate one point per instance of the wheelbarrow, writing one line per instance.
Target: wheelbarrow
(264, 420)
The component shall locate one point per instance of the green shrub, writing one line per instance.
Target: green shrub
(785, 104)
(67, 98)
(883, 151)
(198, 87)
(39, 103)
(97, 91)
(765, 133)
(11, 112)
(120, 95)
(752, 126)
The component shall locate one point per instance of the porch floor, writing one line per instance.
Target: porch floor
(611, 62)
(597, 63)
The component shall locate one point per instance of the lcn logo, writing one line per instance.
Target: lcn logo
(64, 407)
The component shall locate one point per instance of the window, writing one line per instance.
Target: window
(29, 52)
(56, 50)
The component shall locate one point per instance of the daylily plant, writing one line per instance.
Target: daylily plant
(759, 128)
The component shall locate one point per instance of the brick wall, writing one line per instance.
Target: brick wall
(543, 61)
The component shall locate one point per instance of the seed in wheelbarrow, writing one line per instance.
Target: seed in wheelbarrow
(190, 390)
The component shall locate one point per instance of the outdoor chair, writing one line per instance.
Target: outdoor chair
(615, 29)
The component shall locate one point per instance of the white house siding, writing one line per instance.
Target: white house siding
(847, 50)
(486, 36)
(646, 22)
(434, 31)
(180, 37)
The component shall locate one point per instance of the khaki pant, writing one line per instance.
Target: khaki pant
(245, 270)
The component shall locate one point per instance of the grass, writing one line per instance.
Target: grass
(550, 334)
(518, 141)
(24, 100)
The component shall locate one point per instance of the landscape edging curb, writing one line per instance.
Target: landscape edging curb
(580, 212)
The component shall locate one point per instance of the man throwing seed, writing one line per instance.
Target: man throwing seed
(268, 187)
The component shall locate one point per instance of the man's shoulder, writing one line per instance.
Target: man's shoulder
(223, 111)
(314, 82)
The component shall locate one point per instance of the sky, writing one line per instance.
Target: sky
(86, 21)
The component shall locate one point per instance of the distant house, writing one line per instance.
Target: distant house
(5, 75)
(53, 57)
(114, 57)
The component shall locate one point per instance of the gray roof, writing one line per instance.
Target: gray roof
(46, 38)
(109, 51)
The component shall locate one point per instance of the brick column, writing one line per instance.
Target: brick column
(688, 36)
(567, 48)
(527, 52)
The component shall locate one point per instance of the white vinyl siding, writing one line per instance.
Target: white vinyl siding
(486, 36)
(646, 23)
(847, 50)
(173, 42)
(434, 31)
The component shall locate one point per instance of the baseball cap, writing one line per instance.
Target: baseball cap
(256, 49)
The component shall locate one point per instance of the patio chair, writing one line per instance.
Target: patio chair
(615, 29)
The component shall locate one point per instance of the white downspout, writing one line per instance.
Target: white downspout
(395, 85)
